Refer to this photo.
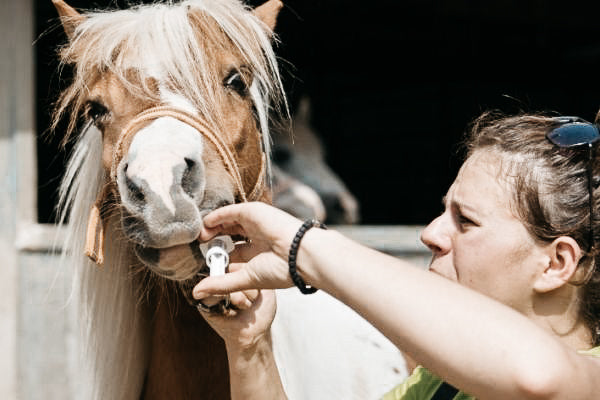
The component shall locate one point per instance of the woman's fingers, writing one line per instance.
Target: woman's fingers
(245, 299)
(226, 216)
(228, 283)
(208, 233)
(252, 294)
(256, 221)
(252, 217)
(245, 251)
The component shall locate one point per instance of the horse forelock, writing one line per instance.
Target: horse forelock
(172, 47)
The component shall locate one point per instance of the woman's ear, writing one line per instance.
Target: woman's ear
(564, 255)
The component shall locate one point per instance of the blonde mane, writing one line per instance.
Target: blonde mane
(141, 46)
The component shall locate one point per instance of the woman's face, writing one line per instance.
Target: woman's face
(478, 241)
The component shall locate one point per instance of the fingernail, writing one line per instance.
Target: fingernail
(199, 295)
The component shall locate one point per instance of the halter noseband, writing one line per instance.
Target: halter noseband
(94, 244)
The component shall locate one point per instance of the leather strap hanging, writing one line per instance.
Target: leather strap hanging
(94, 240)
(94, 244)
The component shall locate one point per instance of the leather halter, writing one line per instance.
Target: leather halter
(94, 244)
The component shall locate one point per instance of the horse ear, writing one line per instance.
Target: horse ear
(69, 17)
(267, 12)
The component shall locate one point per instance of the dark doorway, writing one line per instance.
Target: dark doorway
(394, 84)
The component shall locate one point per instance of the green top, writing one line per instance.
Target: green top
(423, 385)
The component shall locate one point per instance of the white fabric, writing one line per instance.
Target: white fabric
(325, 350)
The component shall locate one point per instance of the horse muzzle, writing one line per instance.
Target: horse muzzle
(162, 223)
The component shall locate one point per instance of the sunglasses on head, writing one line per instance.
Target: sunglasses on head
(574, 132)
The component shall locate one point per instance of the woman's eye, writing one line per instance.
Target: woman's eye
(464, 221)
(235, 81)
(95, 111)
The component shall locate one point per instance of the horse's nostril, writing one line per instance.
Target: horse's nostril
(125, 168)
(138, 195)
(190, 163)
(134, 190)
(189, 179)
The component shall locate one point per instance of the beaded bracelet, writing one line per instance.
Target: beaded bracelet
(298, 281)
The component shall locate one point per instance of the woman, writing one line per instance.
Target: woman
(519, 234)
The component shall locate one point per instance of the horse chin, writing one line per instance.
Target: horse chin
(177, 263)
(178, 260)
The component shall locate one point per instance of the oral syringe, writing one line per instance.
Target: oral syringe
(216, 253)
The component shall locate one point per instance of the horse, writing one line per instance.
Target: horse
(174, 103)
(303, 183)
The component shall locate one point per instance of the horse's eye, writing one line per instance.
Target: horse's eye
(236, 81)
(94, 110)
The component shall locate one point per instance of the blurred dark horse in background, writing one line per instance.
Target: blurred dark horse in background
(303, 183)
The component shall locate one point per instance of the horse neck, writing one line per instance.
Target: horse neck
(188, 359)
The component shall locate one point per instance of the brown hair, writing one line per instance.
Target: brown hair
(551, 195)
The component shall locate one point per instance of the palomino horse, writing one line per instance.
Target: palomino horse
(176, 100)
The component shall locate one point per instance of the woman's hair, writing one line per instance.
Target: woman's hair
(551, 195)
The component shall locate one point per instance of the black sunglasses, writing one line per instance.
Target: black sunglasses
(573, 132)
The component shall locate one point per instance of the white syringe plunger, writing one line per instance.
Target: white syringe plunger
(216, 253)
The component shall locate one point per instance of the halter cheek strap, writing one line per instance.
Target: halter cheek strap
(94, 244)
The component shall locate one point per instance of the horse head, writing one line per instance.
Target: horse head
(180, 96)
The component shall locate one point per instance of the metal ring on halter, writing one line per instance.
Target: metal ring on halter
(217, 308)
(186, 289)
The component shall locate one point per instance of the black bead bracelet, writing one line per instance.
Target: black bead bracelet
(298, 281)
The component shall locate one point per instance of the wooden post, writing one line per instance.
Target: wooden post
(17, 172)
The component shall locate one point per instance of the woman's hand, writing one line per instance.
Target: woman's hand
(248, 323)
(270, 232)
(259, 264)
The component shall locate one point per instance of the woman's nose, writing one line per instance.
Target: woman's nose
(436, 235)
